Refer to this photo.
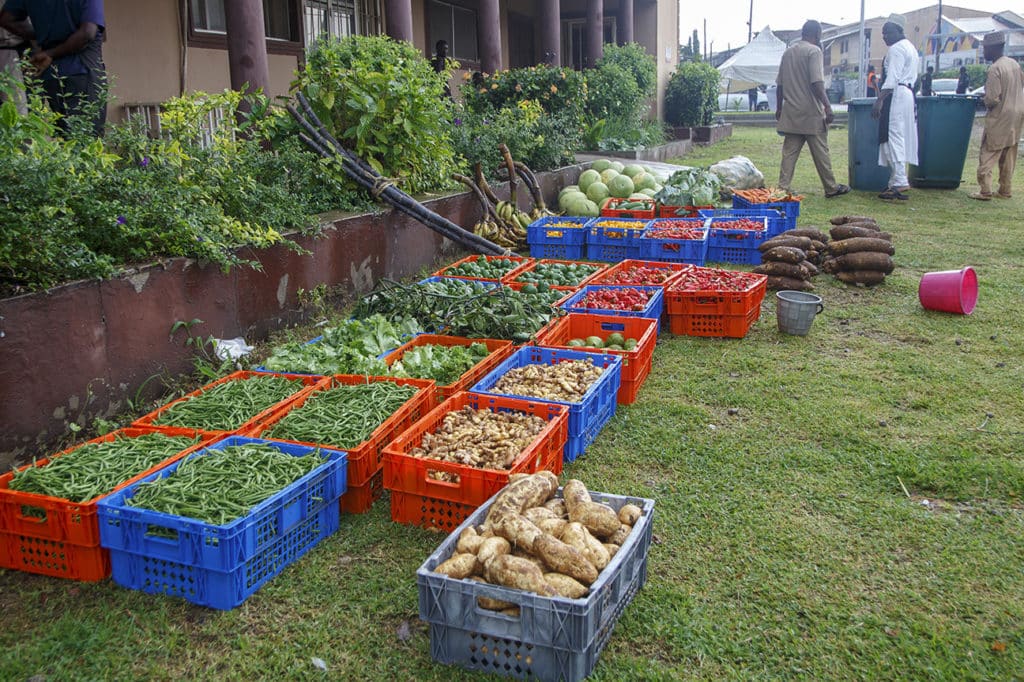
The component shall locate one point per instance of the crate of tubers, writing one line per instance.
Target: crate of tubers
(586, 383)
(464, 451)
(547, 608)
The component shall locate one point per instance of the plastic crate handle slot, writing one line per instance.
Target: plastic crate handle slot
(30, 514)
(517, 597)
(155, 533)
(435, 483)
(291, 514)
(553, 234)
(613, 327)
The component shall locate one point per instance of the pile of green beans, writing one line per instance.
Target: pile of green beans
(227, 406)
(344, 416)
(219, 486)
(95, 469)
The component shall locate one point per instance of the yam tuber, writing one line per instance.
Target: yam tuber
(860, 244)
(849, 231)
(781, 270)
(843, 219)
(812, 233)
(775, 282)
(802, 243)
(864, 260)
(784, 254)
(866, 277)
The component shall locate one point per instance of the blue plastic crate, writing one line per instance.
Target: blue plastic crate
(220, 548)
(586, 417)
(542, 232)
(655, 305)
(552, 638)
(777, 221)
(614, 244)
(791, 209)
(722, 236)
(740, 255)
(558, 251)
(692, 251)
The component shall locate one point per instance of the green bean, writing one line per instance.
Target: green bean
(344, 416)
(219, 486)
(95, 469)
(227, 406)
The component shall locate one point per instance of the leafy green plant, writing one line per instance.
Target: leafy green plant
(384, 101)
(977, 73)
(634, 60)
(691, 94)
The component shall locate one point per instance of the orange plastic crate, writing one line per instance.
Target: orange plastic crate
(636, 363)
(609, 209)
(608, 276)
(716, 302)
(673, 211)
(428, 512)
(410, 474)
(358, 499)
(66, 543)
(499, 350)
(601, 267)
(523, 261)
(309, 381)
(364, 460)
(732, 326)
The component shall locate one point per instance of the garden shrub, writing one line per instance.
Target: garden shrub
(79, 207)
(691, 96)
(619, 89)
(383, 100)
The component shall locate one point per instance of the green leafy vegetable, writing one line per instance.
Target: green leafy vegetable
(444, 364)
(690, 187)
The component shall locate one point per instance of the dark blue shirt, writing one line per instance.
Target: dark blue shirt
(54, 21)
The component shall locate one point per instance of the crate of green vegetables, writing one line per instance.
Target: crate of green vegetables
(231, 403)
(454, 362)
(487, 268)
(48, 521)
(354, 413)
(215, 526)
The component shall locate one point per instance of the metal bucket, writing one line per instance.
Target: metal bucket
(795, 311)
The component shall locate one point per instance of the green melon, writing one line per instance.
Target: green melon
(587, 177)
(644, 181)
(600, 165)
(608, 174)
(570, 198)
(620, 186)
(647, 193)
(568, 188)
(616, 165)
(632, 169)
(598, 192)
(591, 209)
(576, 206)
(639, 196)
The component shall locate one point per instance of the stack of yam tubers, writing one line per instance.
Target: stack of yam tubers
(790, 259)
(859, 253)
(533, 541)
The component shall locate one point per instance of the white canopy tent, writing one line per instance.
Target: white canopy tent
(756, 63)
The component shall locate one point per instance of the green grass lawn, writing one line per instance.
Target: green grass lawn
(846, 505)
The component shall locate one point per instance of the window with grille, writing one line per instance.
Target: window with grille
(208, 17)
(456, 26)
(340, 18)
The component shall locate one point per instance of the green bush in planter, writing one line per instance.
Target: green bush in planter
(691, 95)
(382, 99)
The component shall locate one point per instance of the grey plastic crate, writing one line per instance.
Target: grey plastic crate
(552, 638)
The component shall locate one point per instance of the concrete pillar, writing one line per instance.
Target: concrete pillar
(595, 32)
(247, 44)
(488, 31)
(398, 19)
(549, 16)
(625, 32)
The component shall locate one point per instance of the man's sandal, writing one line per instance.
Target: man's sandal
(893, 195)
(980, 196)
(839, 191)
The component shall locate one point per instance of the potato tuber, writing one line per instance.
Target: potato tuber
(630, 514)
(522, 574)
(469, 542)
(553, 526)
(459, 566)
(565, 586)
(557, 505)
(579, 538)
(562, 558)
(619, 536)
(492, 547)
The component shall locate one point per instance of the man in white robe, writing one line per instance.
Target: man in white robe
(897, 130)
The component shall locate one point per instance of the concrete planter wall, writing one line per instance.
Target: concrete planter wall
(669, 150)
(83, 350)
(711, 134)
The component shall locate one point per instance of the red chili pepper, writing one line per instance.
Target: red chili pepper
(711, 279)
(738, 224)
(616, 299)
(676, 229)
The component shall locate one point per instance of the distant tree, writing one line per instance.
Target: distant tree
(691, 50)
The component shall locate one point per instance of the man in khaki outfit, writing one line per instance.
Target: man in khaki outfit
(1004, 99)
(803, 111)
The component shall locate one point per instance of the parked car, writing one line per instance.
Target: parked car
(944, 86)
(737, 101)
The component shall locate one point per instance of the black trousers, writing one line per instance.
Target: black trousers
(79, 95)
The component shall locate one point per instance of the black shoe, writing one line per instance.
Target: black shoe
(839, 191)
(893, 195)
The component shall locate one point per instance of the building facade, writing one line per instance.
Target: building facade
(160, 49)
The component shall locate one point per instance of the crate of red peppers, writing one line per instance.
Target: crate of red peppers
(614, 239)
(777, 222)
(676, 240)
(714, 302)
(735, 240)
(643, 272)
(664, 211)
(628, 301)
